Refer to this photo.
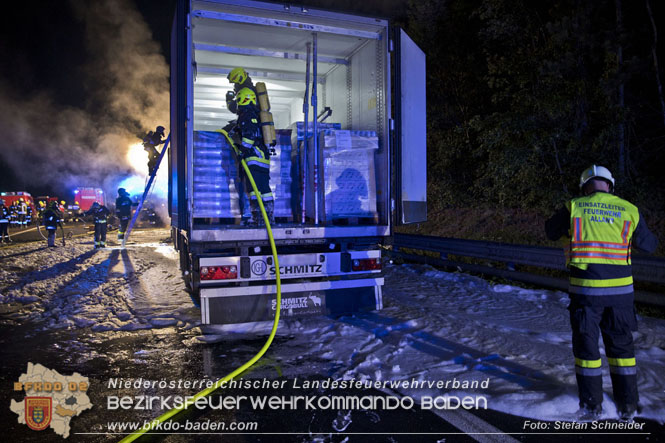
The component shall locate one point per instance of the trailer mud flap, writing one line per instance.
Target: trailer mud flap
(240, 305)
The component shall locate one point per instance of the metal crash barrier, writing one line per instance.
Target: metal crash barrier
(646, 269)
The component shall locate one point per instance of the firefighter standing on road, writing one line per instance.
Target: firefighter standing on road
(22, 212)
(100, 213)
(256, 155)
(601, 229)
(13, 214)
(4, 222)
(52, 219)
(123, 209)
(150, 143)
(28, 216)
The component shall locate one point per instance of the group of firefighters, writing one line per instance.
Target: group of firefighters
(17, 215)
(52, 217)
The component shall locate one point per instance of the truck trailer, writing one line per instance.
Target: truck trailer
(347, 95)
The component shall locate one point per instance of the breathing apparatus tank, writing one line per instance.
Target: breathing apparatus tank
(265, 116)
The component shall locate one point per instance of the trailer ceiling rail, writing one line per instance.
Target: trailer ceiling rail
(645, 268)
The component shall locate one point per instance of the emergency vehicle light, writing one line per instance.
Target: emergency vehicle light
(366, 264)
(219, 272)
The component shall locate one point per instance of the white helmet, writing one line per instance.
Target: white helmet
(595, 171)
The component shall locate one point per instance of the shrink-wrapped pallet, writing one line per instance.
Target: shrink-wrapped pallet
(281, 181)
(347, 175)
(219, 191)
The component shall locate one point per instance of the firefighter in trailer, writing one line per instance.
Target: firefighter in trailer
(240, 80)
(123, 209)
(100, 214)
(601, 229)
(4, 223)
(256, 155)
(150, 143)
(52, 219)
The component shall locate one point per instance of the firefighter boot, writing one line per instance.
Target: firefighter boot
(254, 219)
(270, 209)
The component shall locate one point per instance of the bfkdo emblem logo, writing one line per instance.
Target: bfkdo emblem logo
(38, 412)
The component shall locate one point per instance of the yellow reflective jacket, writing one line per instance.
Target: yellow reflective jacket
(601, 229)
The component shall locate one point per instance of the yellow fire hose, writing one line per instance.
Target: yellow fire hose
(173, 412)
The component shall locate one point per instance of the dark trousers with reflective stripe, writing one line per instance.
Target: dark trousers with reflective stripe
(124, 221)
(616, 325)
(261, 176)
(50, 240)
(100, 234)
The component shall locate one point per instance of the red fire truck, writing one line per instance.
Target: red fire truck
(85, 197)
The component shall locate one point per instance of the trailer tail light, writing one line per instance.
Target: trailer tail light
(219, 272)
(366, 264)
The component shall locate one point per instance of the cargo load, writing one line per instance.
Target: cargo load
(219, 191)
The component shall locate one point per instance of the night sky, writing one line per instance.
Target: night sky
(45, 54)
(43, 48)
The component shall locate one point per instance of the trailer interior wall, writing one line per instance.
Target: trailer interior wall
(352, 70)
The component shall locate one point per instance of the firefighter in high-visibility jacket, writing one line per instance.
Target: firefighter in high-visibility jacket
(255, 153)
(601, 229)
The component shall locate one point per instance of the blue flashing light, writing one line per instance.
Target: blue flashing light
(133, 184)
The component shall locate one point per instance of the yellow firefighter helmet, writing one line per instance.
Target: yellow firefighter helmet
(245, 97)
(237, 75)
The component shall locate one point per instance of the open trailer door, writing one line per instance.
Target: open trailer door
(177, 155)
(411, 126)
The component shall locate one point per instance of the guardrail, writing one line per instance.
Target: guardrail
(645, 268)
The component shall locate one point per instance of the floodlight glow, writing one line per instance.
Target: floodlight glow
(138, 158)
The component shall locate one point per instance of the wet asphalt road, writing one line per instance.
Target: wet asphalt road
(168, 354)
(32, 233)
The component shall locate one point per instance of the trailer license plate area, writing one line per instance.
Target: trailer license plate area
(289, 266)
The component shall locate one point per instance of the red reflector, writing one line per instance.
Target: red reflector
(366, 264)
(218, 272)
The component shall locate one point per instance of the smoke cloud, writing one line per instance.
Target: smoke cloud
(127, 93)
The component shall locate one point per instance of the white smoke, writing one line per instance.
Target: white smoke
(127, 93)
